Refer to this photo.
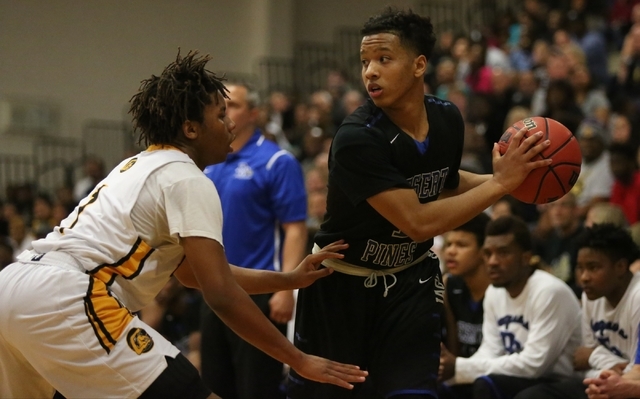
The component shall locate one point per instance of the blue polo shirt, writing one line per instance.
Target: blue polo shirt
(260, 187)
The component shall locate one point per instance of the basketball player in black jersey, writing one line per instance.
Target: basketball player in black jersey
(394, 184)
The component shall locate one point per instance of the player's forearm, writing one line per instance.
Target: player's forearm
(438, 217)
(261, 281)
(252, 281)
(601, 359)
(467, 182)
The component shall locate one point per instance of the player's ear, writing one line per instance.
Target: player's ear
(420, 66)
(190, 129)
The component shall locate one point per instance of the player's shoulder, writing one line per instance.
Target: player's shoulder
(545, 284)
(366, 125)
(181, 173)
(447, 108)
(267, 153)
(366, 115)
(439, 102)
(634, 288)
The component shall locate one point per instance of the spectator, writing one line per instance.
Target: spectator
(480, 76)
(593, 43)
(627, 80)
(264, 206)
(596, 179)
(20, 236)
(593, 102)
(465, 284)
(43, 221)
(506, 206)
(558, 250)
(94, 172)
(605, 212)
(351, 100)
(611, 310)
(531, 324)
(525, 90)
(560, 104)
(446, 78)
(626, 187)
(623, 131)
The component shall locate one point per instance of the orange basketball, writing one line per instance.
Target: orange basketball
(547, 184)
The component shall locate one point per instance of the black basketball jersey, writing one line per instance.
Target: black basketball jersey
(467, 313)
(369, 155)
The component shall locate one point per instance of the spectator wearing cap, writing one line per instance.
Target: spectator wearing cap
(596, 179)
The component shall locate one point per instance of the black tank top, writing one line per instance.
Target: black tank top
(467, 313)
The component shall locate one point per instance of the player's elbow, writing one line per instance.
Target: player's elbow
(419, 232)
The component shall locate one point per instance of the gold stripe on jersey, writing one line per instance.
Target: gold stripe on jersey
(107, 316)
(156, 147)
(128, 267)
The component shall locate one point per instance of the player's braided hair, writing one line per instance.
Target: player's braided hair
(613, 241)
(181, 92)
(414, 31)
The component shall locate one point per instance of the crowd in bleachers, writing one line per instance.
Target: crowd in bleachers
(577, 62)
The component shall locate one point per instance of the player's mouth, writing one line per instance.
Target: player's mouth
(494, 274)
(451, 264)
(374, 90)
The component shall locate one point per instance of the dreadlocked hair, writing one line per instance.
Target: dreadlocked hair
(181, 92)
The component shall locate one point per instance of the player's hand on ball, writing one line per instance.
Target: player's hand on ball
(309, 269)
(327, 371)
(510, 169)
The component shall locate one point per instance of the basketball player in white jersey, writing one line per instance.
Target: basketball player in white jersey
(66, 308)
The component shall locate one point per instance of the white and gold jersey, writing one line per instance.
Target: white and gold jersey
(127, 231)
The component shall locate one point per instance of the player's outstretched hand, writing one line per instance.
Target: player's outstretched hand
(309, 269)
(512, 168)
(327, 371)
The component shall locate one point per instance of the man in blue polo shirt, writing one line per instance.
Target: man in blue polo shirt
(264, 206)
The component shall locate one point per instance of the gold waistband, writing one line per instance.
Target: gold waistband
(353, 270)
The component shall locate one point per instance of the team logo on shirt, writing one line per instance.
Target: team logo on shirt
(243, 171)
(128, 165)
(139, 341)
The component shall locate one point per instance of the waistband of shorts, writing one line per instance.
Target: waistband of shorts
(353, 270)
(53, 258)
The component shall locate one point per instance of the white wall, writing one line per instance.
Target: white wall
(90, 55)
(316, 20)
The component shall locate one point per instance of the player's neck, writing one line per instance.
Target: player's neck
(411, 116)
(477, 282)
(515, 288)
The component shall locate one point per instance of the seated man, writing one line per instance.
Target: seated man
(610, 306)
(531, 324)
(465, 284)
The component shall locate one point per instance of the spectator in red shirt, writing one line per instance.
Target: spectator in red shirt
(626, 187)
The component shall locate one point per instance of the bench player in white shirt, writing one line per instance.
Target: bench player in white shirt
(66, 308)
(531, 324)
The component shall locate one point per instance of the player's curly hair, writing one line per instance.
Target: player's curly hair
(613, 241)
(415, 32)
(181, 92)
(510, 224)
